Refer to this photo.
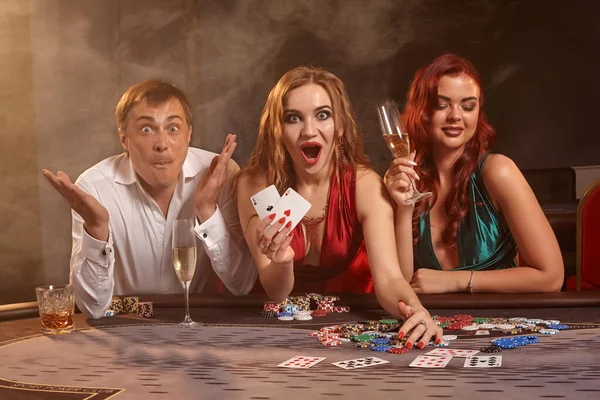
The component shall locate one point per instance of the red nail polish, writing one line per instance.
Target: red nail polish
(281, 220)
(400, 335)
(420, 345)
(408, 345)
(272, 216)
(288, 225)
(438, 341)
(291, 235)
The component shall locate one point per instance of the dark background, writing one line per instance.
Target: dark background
(65, 63)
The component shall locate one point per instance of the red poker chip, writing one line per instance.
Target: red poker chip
(331, 343)
(398, 350)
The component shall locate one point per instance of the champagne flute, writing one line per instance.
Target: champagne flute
(397, 141)
(184, 260)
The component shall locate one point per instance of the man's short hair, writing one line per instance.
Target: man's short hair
(155, 92)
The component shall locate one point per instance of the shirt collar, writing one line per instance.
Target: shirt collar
(126, 174)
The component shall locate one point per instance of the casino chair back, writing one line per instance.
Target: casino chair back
(588, 242)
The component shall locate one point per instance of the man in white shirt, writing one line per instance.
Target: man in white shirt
(124, 207)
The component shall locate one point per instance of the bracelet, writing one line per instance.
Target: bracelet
(471, 282)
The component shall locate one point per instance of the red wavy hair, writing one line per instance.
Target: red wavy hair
(420, 103)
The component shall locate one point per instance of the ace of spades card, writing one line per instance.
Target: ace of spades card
(265, 200)
(360, 362)
(483, 362)
(292, 206)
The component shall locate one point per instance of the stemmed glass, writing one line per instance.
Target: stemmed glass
(397, 141)
(184, 260)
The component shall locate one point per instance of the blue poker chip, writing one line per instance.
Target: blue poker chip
(381, 348)
(284, 314)
(560, 327)
(380, 341)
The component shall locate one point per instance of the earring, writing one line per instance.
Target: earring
(342, 152)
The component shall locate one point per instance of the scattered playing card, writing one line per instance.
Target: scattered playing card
(482, 332)
(265, 200)
(301, 362)
(292, 206)
(430, 362)
(360, 363)
(452, 352)
(483, 362)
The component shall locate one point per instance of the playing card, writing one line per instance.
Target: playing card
(483, 362)
(430, 362)
(292, 206)
(301, 362)
(265, 200)
(482, 332)
(360, 363)
(451, 352)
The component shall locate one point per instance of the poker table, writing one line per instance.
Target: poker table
(235, 352)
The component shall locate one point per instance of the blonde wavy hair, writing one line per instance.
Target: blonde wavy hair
(270, 157)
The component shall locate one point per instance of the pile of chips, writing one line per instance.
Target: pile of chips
(509, 326)
(299, 307)
(130, 305)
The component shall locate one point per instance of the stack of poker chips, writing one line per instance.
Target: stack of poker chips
(270, 309)
(145, 309)
(130, 304)
(116, 306)
(299, 307)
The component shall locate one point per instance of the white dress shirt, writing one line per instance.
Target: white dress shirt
(136, 260)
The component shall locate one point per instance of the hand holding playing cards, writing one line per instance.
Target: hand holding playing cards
(397, 178)
(418, 322)
(273, 243)
(209, 187)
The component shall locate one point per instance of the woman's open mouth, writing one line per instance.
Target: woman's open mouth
(311, 151)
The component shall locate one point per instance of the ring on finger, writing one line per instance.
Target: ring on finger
(272, 248)
(423, 323)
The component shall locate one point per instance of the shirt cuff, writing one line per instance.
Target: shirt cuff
(96, 250)
(212, 230)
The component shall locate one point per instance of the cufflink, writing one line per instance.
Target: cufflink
(106, 251)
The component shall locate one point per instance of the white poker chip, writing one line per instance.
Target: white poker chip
(517, 319)
(505, 326)
(487, 326)
(552, 322)
(371, 333)
(549, 331)
(285, 318)
(473, 327)
(535, 321)
(449, 337)
(344, 340)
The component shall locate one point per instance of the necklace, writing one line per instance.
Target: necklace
(311, 223)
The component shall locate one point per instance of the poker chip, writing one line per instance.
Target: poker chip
(341, 309)
(473, 327)
(110, 313)
(380, 341)
(315, 333)
(271, 306)
(487, 326)
(560, 327)
(505, 327)
(491, 349)
(130, 304)
(332, 343)
(443, 343)
(381, 348)
(364, 345)
(549, 331)
(268, 314)
(398, 350)
(145, 309)
(362, 338)
(116, 305)
(285, 318)
(319, 313)
(449, 337)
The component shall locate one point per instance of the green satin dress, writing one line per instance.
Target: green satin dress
(484, 241)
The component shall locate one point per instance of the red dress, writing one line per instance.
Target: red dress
(344, 266)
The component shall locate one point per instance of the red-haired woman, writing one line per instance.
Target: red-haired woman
(309, 140)
(483, 229)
